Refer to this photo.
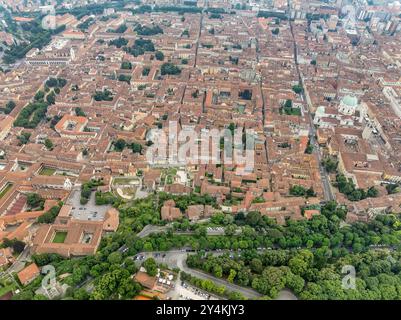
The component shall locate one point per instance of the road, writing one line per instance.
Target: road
(177, 259)
(151, 229)
(327, 189)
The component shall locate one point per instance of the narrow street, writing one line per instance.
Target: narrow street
(198, 39)
(19, 263)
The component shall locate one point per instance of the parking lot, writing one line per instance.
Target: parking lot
(89, 211)
(185, 291)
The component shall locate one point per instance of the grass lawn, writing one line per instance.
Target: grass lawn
(172, 171)
(168, 175)
(6, 287)
(4, 290)
(5, 190)
(47, 171)
(291, 111)
(60, 237)
(169, 179)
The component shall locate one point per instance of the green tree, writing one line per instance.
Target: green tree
(330, 164)
(34, 200)
(48, 144)
(81, 294)
(10, 105)
(51, 98)
(159, 55)
(24, 138)
(136, 147)
(79, 112)
(230, 230)
(115, 257)
(297, 89)
(119, 145)
(39, 95)
(169, 69)
(298, 265)
(126, 65)
(150, 266)
(218, 271)
(256, 265)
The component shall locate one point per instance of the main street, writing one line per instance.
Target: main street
(327, 189)
(20, 261)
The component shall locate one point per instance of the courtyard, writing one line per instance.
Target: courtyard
(89, 211)
(60, 236)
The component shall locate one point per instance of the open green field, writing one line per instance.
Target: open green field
(5, 190)
(60, 237)
(6, 289)
(291, 111)
(46, 171)
(6, 286)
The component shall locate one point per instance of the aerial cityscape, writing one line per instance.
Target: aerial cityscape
(200, 150)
